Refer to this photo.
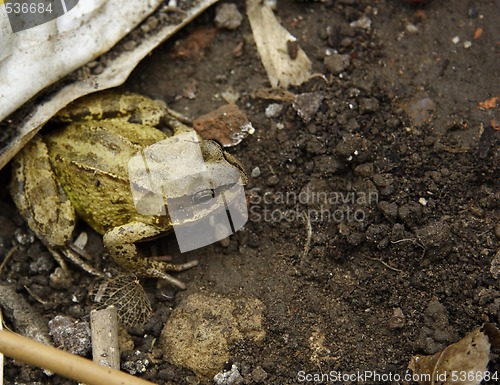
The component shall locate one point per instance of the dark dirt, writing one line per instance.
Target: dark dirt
(402, 265)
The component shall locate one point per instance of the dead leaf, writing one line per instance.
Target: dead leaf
(462, 363)
(273, 42)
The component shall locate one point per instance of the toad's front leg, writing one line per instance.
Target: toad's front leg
(120, 242)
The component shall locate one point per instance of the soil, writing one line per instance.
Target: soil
(374, 228)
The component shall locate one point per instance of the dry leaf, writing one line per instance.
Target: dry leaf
(284, 66)
(462, 363)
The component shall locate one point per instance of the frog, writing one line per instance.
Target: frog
(78, 170)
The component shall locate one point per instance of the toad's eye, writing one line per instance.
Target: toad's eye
(204, 196)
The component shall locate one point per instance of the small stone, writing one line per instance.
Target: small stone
(24, 238)
(259, 375)
(315, 146)
(364, 170)
(495, 265)
(364, 22)
(397, 320)
(307, 104)
(411, 28)
(273, 180)
(368, 105)
(152, 22)
(98, 70)
(230, 377)
(135, 362)
(130, 45)
(273, 110)
(336, 63)
(228, 16)
(383, 180)
(60, 279)
(70, 335)
(255, 172)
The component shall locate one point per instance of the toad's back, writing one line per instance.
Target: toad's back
(91, 159)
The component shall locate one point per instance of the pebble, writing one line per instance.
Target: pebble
(397, 320)
(337, 63)
(228, 16)
(273, 180)
(70, 335)
(150, 24)
(364, 22)
(383, 180)
(497, 230)
(130, 45)
(368, 105)
(259, 375)
(495, 265)
(315, 146)
(229, 377)
(411, 28)
(364, 170)
(42, 262)
(273, 110)
(255, 172)
(135, 362)
(307, 104)
(24, 238)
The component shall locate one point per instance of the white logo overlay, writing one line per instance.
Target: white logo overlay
(171, 178)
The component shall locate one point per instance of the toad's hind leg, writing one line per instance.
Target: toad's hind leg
(120, 243)
(43, 203)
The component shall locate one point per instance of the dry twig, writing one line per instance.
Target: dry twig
(65, 364)
(104, 326)
(1, 355)
(307, 244)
